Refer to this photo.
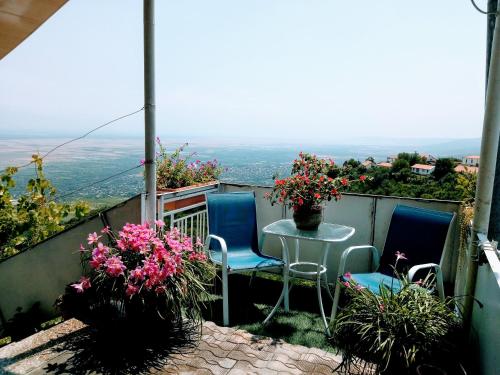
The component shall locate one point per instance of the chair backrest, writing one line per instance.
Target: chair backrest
(233, 217)
(418, 233)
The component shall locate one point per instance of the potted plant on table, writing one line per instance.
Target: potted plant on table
(307, 188)
(140, 276)
(175, 173)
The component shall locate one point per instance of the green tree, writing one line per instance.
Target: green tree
(400, 164)
(352, 163)
(35, 215)
(399, 181)
(443, 167)
(413, 158)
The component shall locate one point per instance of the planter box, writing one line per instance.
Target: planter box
(194, 194)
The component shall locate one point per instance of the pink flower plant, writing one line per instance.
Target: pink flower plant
(175, 169)
(131, 290)
(141, 264)
(115, 266)
(93, 238)
(81, 286)
(400, 256)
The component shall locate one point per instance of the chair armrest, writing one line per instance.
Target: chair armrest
(352, 249)
(439, 275)
(223, 247)
(284, 247)
(418, 267)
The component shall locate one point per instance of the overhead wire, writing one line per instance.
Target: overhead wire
(82, 136)
(98, 182)
(482, 11)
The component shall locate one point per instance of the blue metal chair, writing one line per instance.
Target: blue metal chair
(232, 241)
(418, 233)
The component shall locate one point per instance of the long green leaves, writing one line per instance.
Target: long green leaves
(395, 331)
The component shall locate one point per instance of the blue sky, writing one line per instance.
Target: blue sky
(312, 70)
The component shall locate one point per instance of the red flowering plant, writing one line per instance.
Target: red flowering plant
(143, 272)
(309, 184)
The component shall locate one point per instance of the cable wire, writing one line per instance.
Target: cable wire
(82, 136)
(98, 182)
(482, 11)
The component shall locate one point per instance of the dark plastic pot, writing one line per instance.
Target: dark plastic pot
(430, 370)
(307, 218)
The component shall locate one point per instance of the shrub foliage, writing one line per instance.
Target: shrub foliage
(34, 215)
(394, 331)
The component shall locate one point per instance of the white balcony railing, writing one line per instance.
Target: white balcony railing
(191, 216)
(193, 225)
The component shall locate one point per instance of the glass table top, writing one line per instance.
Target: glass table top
(326, 232)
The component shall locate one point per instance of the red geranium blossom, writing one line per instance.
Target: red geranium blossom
(309, 185)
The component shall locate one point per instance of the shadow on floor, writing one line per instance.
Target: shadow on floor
(115, 350)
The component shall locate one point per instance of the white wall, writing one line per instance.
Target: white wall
(41, 273)
(369, 215)
(486, 322)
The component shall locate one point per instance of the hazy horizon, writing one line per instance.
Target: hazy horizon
(18, 150)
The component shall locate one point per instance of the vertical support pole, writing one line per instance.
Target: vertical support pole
(490, 28)
(486, 175)
(149, 110)
(494, 226)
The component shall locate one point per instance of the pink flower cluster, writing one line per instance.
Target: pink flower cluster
(348, 282)
(136, 238)
(143, 258)
(82, 285)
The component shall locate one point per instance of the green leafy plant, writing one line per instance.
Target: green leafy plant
(34, 215)
(173, 170)
(392, 333)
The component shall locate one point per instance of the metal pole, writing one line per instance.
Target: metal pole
(494, 226)
(490, 28)
(149, 110)
(486, 175)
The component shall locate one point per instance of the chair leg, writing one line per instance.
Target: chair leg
(440, 284)
(286, 281)
(335, 306)
(225, 298)
(251, 278)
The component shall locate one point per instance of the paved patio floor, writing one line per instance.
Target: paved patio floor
(220, 351)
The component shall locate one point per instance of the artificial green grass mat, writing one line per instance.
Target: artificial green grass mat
(250, 305)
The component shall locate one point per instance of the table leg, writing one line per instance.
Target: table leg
(322, 261)
(328, 287)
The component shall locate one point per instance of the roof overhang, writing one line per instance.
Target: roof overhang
(20, 18)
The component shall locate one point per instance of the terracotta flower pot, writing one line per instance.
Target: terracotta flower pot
(307, 218)
(188, 201)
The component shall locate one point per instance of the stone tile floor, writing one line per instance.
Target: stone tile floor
(220, 351)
